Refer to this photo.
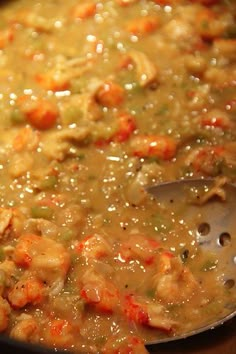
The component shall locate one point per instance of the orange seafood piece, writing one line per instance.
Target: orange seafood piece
(22, 254)
(99, 292)
(135, 311)
(163, 147)
(206, 160)
(216, 119)
(59, 333)
(40, 113)
(143, 25)
(94, 246)
(48, 82)
(126, 126)
(174, 282)
(139, 247)
(29, 291)
(110, 94)
(126, 2)
(147, 313)
(83, 11)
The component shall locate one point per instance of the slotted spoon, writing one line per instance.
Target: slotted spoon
(214, 225)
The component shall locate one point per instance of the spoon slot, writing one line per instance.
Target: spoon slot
(229, 283)
(225, 239)
(204, 229)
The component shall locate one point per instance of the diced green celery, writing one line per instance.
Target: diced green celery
(152, 159)
(17, 117)
(44, 212)
(151, 293)
(163, 110)
(81, 156)
(160, 223)
(208, 265)
(77, 85)
(49, 182)
(213, 308)
(66, 235)
(92, 177)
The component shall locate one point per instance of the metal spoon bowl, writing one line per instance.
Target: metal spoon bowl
(213, 217)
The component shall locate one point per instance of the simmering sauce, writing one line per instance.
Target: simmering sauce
(99, 99)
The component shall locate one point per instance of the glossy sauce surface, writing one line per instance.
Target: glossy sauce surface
(99, 99)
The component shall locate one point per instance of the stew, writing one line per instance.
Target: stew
(99, 99)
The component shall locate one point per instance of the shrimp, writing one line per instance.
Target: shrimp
(94, 247)
(99, 292)
(4, 314)
(146, 313)
(216, 118)
(207, 160)
(126, 2)
(26, 291)
(126, 126)
(173, 281)
(52, 81)
(162, 147)
(48, 258)
(40, 113)
(140, 247)
(26, 329)
(143, 25)
(59, 333)
(110, 94)
(84, 11)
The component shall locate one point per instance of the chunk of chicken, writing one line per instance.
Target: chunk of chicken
(58, 145)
